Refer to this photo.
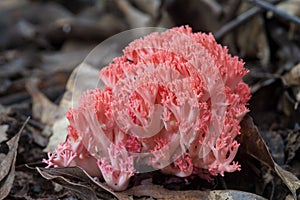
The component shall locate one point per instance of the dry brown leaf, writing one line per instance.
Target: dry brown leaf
(79, 182)
(7, 182)
(252, 142)
(43, 108)
(85, 187)
(292, 144)
(292, 77)
(291, 100)
(76, 86)
(7, 166)
(158, 192)
(59, 134)
(3, 129)
(253, 145)
(290, 180)
(291, 7)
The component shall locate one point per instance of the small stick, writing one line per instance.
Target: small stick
(276, 11)
(241, 19)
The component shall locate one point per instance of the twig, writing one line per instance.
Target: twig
(276, 11)
(241, 19)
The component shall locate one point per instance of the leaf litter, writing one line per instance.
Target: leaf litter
(7, 165)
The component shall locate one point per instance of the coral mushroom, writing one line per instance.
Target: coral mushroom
(172, 102)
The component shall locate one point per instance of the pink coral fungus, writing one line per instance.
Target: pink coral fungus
(172, 102)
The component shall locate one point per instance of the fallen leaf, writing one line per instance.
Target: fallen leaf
(75, 88)
(291, 7)
(59, 134)
(252, 142)
(275, 144)
(292, 77)
(290, 180)
(7, 166)
(85, 187)
(292, 144)
(79, 182)
(3, 129)
(253, 145)
(158, 192)
(43, 108)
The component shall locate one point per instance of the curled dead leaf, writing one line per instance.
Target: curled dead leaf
(7, 166)
(158, 192)
(85, 187)
(292, 144)
(253, 144)
(290, 180)
(43, 108)
(87, 79)
(79, 182)
(291, 7)
(292, 77)
(3, 129)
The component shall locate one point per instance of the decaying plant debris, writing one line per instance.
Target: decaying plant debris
(42, 42)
